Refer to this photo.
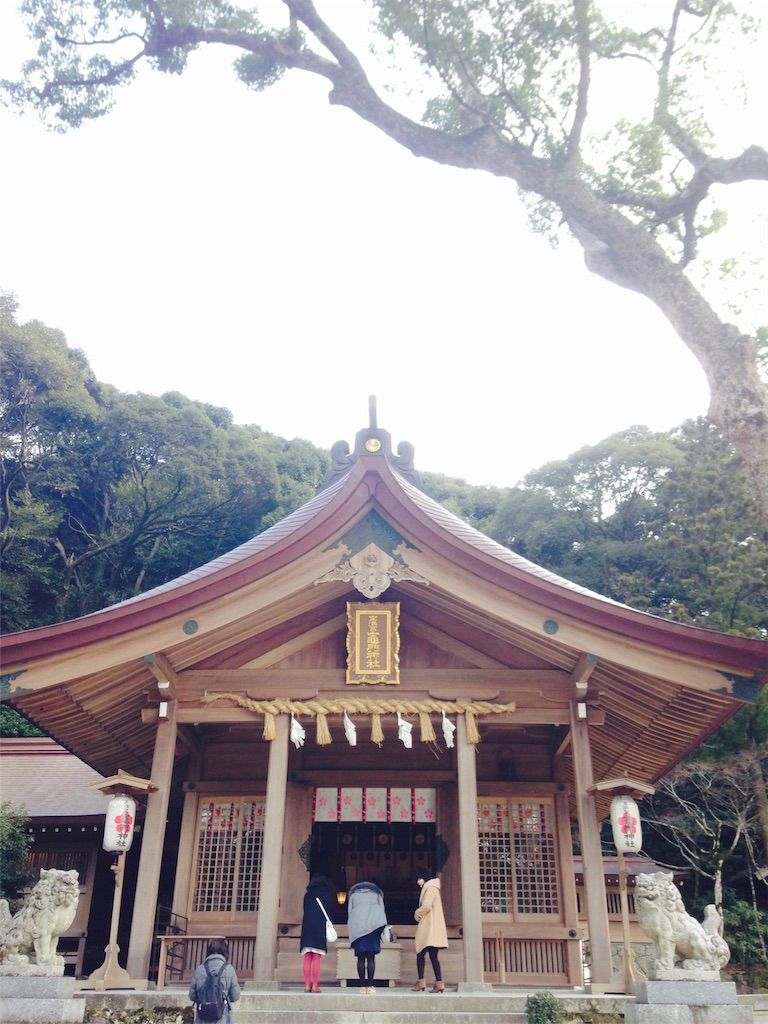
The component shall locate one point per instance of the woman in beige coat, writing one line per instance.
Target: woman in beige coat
(431, 934)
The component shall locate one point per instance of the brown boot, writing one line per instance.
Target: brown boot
(439, 986)
(420, 986)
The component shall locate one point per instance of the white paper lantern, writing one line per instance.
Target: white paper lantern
(119, 823)
(625, 822)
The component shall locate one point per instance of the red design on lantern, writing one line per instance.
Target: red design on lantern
(628, 824)
(123, 822)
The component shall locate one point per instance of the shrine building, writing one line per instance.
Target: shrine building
(373, 689)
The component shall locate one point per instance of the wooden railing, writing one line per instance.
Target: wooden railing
(506, 959)
(612, 905)
(180, 955)
(509, 960)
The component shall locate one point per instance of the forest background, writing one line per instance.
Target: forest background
(106, 494)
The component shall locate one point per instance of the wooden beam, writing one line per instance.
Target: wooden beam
(165, 674)
(378, 777)
(449, 644)
(582, 670)
(189, 738)
(316, 679)
(224, 714)
(300, 642)
(623, 784)
(566, 741)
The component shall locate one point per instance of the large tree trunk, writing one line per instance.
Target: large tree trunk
(614, 247)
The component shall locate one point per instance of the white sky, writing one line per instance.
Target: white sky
(277, 256)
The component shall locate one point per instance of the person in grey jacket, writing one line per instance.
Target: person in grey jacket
(366, 919)
(216, 956)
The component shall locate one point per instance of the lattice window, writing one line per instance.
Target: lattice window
(229, 847)
(518, 858)
(533, 843)
(495, 857)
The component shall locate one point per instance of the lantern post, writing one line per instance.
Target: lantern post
(627, 838)
(119, 828)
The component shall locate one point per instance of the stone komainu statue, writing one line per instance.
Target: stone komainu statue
(675, 934)
(48, 911)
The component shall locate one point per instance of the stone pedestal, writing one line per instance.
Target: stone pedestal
(33, 970)
(30, 999)
(686, 1002)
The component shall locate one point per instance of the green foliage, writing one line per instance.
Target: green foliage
(264, 68)
(592, 1015)
(88, 50)
(487, 58)
(109, 1014)
(300, 467)
(522, 69)
(667, 523)
(14, 724)
(746, 730)
(14, 843)
(475, 505)
(745, 929)
(543, 1008)
(105, 495)
(48, 400)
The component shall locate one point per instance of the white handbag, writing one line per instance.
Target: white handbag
(331, 935)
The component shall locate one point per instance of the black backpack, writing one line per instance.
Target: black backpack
(211, 1001)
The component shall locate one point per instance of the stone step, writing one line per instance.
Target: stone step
(40, 1011)
(372, 1015)
(335, 1005)
(38, 999)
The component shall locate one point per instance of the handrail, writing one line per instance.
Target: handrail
(167, 922)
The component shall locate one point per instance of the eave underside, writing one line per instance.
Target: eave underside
(639, 725)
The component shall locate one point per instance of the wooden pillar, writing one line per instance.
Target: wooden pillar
(265, 953)
(469, 855)
(187, 839)
(189, 834)
(594, 881)
(298, 830)
(450, 874)
(152, 841)
(568, 887)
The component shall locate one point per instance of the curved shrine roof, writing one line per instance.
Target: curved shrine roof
(378, 481)
(661, 686)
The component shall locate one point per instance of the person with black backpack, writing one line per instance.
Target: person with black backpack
(214, 986)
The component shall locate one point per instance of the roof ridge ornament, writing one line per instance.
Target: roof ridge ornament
(371, 571)
(372, 440)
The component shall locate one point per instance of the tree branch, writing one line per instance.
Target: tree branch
(581, 13)
(663, 116)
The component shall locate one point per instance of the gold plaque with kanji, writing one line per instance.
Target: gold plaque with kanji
(373, 642)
